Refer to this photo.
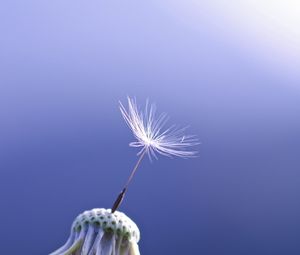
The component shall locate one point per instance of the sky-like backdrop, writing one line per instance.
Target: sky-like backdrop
(228, 69)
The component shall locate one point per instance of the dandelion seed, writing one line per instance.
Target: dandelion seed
(150, 136)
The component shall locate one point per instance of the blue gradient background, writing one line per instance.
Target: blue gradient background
(64, 146)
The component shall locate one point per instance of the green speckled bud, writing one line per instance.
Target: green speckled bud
(99, 231)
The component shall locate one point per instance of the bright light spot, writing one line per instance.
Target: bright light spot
(266, 29)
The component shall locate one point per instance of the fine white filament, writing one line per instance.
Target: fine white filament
(148, 130)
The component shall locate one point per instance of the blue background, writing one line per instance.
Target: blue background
(64, 145)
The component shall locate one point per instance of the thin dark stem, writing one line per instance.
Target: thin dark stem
(120, 197)
(135, 168)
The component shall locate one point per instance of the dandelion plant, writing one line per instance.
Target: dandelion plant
(107, 231)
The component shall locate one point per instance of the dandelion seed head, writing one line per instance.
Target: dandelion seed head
(151, 134)
(99, 231)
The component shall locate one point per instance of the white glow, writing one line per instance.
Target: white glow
(274, 20)
(270, 29)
